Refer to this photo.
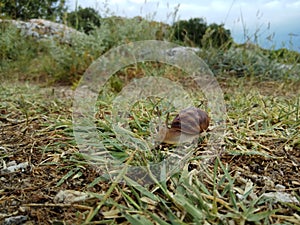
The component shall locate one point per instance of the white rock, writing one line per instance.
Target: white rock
(14, 167)
(282, 197)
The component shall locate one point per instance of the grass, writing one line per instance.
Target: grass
(260, 150)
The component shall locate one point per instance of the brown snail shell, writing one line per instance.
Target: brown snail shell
(187, 125)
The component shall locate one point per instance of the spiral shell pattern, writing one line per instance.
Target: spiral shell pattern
(191, 121)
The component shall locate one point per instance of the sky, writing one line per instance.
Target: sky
(272, 23)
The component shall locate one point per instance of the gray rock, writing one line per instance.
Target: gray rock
(44, 29)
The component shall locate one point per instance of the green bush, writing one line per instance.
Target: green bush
(33, 9)
(11, 44)
(117, 30)
(196, 32)
(249, 61)
(16, 50)
(190, 31)
(216, 36)
(84, 19)
(68, 62)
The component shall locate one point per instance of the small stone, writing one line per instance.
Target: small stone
(14, 168)
(15, 220)
(279, 187)
(281, 197)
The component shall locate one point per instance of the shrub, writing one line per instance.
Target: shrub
(84, 19)
(190, 31)
(16, 50)
(216, 36)
(32, 9)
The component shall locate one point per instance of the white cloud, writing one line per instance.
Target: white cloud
(273, 4)
(295, 4)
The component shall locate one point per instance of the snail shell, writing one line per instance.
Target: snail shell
(187, 125)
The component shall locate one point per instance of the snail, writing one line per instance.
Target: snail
(185, 127)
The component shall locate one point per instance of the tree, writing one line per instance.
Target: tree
(216, 36)
(190, 31)
(84, 19)
(29, 9)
